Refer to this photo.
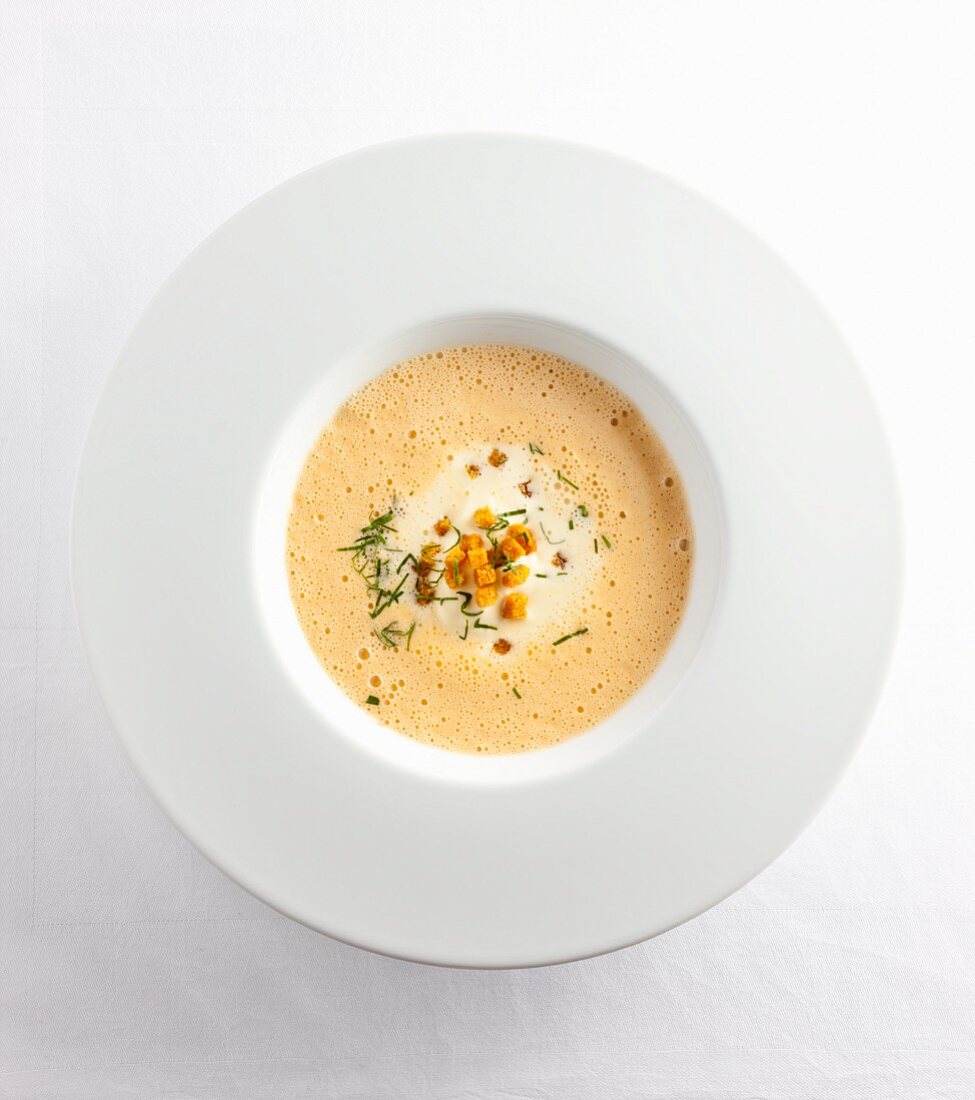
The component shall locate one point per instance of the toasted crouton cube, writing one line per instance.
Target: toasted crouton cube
(502, 646)
(477, 557)
(512, 549)
(485, 575)
(470, 542)
(497, 458)
(486, 596)
(485, 518)
(514, 576)
(515, 606)
(520, 533)
(473, 471)
(453, 567)
(442, 526)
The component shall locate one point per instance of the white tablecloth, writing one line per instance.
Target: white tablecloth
(842, 132)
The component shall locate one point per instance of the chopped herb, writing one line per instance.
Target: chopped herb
(535, 449)
(517, 692)
(483, 626)
(548, 538)
(574, 634)
(366, 551)
(468, 596)
(463, 637)
(382, 522)
(583, 511)
(544, 576)
(456, 542)
(609, 545)
(572, 526)
(372, 700)
(563, 574)
(409, 557)
(595, 545)
(391, 635)
(514, 512)
(386, 597)
(498, 525)
(562, 477)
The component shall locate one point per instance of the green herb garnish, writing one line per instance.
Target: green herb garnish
(574, 634)
(562, 477)
(498, 525)
(385, 597)
(572, 526)
(609, 545)
(544, 576)
(366, 551)
(535, 449)
(548, 538)
(468, 596)
(391, 635)
(583, 511)
(483, 626)
(517, 692)
(372, 700)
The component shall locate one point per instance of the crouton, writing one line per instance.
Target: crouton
(485, 518)
(453, 567)
(477, 557)
(512, 549)
(442, 526)
(486, 596)
(515, 606)
(471, 542)
(520, 533)
(484, 575)
(514, 576)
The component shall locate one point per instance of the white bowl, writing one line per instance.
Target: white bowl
(693, 786)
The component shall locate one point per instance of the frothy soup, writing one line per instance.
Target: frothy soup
(489, 549)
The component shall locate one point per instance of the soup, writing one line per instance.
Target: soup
(489, 549)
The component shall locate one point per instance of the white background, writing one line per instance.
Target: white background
(841, 132)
